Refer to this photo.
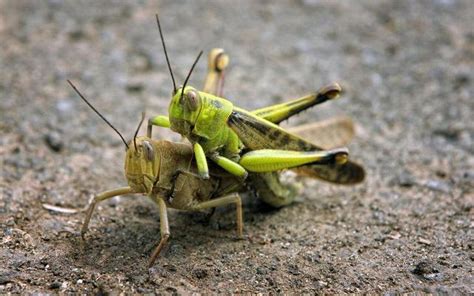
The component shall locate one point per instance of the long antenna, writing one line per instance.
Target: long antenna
(136, 132)
(189, 74)
(166, 52)
(98, 113)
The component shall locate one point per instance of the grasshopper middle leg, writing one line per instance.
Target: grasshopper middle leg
(225, 200)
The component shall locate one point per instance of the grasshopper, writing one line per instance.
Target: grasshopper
(219, 131)
(166, 172)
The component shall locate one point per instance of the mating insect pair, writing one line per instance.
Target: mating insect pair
(176, 175)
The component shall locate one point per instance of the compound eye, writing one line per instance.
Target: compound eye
(192, 100)
(148, 151)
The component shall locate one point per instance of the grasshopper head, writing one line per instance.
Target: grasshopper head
(142, 164)
(184, 109)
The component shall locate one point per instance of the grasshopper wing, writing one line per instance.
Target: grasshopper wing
(257, 133)
(328, 134)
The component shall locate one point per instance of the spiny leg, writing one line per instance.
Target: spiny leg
(218, 61)
(164, 230)
(270, 160)
(279, 112)
(101, 197)
(222, 201)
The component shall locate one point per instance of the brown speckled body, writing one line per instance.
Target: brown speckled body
(187, 189)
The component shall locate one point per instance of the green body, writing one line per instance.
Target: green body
(207, 124)
(220, 131)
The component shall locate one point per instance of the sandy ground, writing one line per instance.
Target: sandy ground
(406, 67)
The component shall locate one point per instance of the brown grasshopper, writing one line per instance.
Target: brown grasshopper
(167, 173)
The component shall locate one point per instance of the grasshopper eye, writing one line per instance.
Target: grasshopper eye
(192, 100)
(148, 150)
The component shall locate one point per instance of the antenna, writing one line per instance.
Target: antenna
(189, 74)
(136, 132)
(98, 113)
(166, 53)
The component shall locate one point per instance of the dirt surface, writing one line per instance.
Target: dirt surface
(406, 67)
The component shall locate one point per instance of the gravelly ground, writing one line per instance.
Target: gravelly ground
(406, 67)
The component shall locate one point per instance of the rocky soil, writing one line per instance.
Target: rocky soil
(406, 67)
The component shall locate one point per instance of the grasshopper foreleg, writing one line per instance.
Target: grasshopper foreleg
(160, 120)
(101, 197)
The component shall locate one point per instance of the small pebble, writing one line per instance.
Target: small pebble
(438, 185)
(405, 179)
(54, 141)
(424, 241)
(176, 249)
(141, 62)
(200, 273)
(64, 106)
(134, 87)
(427, 270)
(55, 285)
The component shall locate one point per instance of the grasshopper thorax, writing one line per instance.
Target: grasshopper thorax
(142, 164)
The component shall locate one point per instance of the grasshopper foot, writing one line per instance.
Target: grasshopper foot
(83, 235)
(156, 253)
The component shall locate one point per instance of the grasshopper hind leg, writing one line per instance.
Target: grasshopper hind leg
(218, 61)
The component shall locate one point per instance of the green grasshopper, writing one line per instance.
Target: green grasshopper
(219, 130)
(329, 134)
(166, 172)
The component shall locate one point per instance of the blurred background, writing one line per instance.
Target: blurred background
(406, 70)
